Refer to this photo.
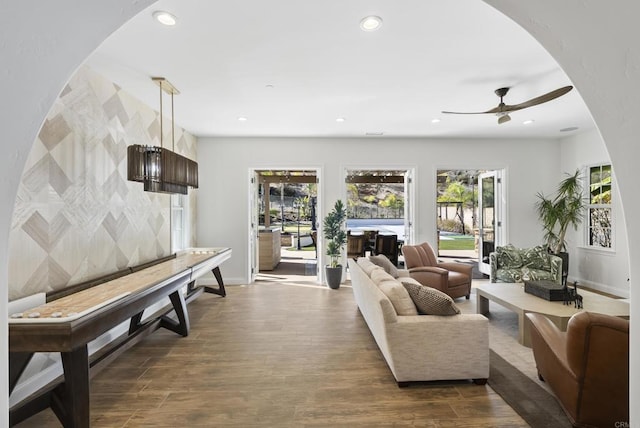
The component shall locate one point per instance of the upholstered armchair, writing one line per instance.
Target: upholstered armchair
(586, 367)
(451, 278)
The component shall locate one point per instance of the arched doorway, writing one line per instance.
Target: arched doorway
(60, 37)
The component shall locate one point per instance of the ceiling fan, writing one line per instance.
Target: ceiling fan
(503, 110)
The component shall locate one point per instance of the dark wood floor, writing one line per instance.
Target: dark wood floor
(276, 355)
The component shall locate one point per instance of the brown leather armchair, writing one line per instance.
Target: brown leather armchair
(586, 367)
(451, 278)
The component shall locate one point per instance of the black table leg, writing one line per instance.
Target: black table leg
(70, 401)
(18, 361)
(220, 291)
(180, 306)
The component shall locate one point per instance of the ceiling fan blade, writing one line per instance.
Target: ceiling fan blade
(497, 109)
(460, 112)
(538, 100)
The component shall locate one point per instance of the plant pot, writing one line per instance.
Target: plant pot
(334, 276)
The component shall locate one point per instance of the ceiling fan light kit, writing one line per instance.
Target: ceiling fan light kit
(503, 117)
(503, 110)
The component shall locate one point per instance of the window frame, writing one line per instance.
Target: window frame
(179, 232)
(589, 206)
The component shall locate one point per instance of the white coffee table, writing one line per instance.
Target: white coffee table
(513, 297)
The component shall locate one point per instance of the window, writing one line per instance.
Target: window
(178, 222)
(599, 209)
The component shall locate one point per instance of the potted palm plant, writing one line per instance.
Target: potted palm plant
(334, 233)
(556, 214)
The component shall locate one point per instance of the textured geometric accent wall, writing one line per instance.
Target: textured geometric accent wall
(76, 216)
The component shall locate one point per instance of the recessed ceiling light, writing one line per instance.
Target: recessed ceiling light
(436, 120)
(528, 122)
(269, 86)
(165, 18)
(242, 119)
(370, 23)
(569, 129)
(340, 119)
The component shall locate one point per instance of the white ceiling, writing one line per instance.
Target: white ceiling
(428, 56)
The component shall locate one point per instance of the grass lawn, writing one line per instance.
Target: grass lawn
(305, 229)
(457, 242)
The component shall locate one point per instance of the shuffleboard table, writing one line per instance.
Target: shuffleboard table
(68, 324)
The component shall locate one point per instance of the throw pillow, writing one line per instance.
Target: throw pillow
(399, 297)
(366, 265)
(430, 301)
(536, 258)
(378, 275)
(382, 261)
(408, 280)
(508, 257)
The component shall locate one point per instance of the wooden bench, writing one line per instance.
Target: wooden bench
(74, 317)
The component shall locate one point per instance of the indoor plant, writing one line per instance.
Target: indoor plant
(558, 213)
(334, 233)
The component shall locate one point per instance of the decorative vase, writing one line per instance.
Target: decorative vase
(334, 276)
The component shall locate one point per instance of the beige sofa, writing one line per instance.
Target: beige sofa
(421, 347)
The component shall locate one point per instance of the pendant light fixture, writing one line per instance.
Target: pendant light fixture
(162, 170)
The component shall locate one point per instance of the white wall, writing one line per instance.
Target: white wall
(603, 270)
(223, 211)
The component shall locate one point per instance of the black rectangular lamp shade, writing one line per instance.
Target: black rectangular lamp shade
(161, 170)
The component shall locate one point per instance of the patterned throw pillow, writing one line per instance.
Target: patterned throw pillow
(508, 257)
(536, 258)
(430, 301)
(382, 261)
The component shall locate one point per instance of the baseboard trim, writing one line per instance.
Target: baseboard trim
(615, 292)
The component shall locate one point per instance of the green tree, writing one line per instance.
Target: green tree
(392, 202)
(458, 192)
(353, 199)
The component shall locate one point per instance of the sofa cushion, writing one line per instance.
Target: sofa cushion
(535, 258)
(386, 264)
(378, 275)
(430, 301)
(367, 265)
(509, 257)
(399, 297)
(509, 275)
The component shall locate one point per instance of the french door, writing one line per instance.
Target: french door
(408, 207)
(491, 216)
(253, 225)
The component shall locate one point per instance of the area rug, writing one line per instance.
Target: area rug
(532, 402)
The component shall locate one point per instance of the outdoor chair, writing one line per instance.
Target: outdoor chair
(355, 246)
(370, 240)
(387, 245)
(453, 279)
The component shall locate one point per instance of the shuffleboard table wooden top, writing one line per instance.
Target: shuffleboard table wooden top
(84, 302)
